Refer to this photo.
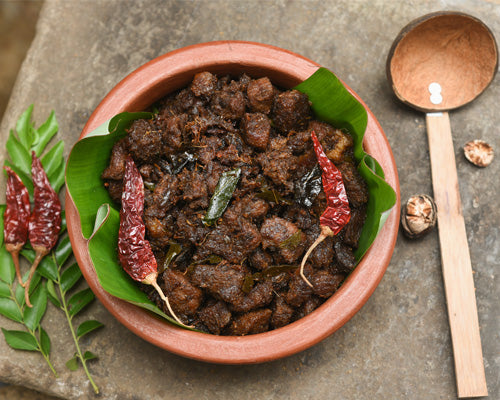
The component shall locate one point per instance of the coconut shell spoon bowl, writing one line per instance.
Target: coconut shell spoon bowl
(437, 63)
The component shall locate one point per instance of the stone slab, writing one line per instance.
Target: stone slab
(398, 345)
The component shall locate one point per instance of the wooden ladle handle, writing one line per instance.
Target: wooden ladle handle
(455, 260)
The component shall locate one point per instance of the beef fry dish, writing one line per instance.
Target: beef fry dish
(238, 275)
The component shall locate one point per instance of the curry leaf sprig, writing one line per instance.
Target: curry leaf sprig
(61, 275)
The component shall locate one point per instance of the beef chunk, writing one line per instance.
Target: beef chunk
(260, 296)
(115, 190)
(325, 283)
(308, 306)
(116, 167)
(300, 141)
(345, 257)
(352, 230)
(223, 281)
(163, 197)
(204, 84)
(184, 297)
(256, 129)
(215, 316)
(299, 291)
(209, 146)
(251, 323)
(191, 229)
(291, 111)
(229, 156)
(260, 260)
(233, 239)
(173, 131)
(282, 313)
(355, 186)
(277, 234)
(323, 255)
(228, 103)
(144, 141)
(193, 186)
(260, 95)
(279, 164)
(251, 208)
(212, 175)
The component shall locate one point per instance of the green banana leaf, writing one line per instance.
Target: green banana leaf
(99, 217)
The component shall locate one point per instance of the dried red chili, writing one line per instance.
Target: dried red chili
(45, 220)
(134, 251)
(16, 218)
(337, 213)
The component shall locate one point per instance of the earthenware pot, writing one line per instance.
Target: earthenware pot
(172, 71)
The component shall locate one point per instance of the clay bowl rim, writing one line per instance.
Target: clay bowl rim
(172, 71)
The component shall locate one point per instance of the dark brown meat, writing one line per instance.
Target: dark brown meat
(222, 281)
(209, 146)
(173, 131)
(260, 259)
(228, 103)
(352, 230)
(251, 208)
(284, 237)
(193, 186)
(184, 298)
(256, 129)
(215, 316)
(291, 111)
(233, 239)
(163, 197)
(144, 141)
(308, 306)
(299, 291)
(260, 295)
(116, 167)
(204, 84)
(115, 190)
(279, 164)
(355, 186)
(345, 257)
(282, 313)
(261, 95)
(251, 323)
(325, 283)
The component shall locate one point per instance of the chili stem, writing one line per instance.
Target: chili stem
(73, 334)
(39, 255)
(325, 232)
(165, 299)
(14, 252)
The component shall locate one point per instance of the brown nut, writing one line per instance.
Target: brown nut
(478, 152)
(418, 216)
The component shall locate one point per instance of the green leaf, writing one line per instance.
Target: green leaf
(33, 315)
(19, 156)
(72, 364)
(45, 132)
(70, 277)
(2, 211)
(7, 268)
(88, 355)
(47, 267)
(88, 158)
(24, 128)
(332, 103)
(20, 340)
(112, 277)
(44, 341)
(53, 159)
(63, 222)
(24, 177)
(4, 290)
(52, 294)
(63, 251)
(8, 308)
(87, 327)
(222, 195)
(56, 179)
(79, 300)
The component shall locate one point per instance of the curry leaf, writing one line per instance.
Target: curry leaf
(70, 277)
(222, 195)
(52, 295)
(53, 158)
(7, 269)
(87, 327)
(79, 300)
(33, 315)
(72, 364)
(45, 132)
(47, 267)
(20, 340)
(63, 251)
(44, 341)
(24, 128)
(88, 355)
(4, 290)
(18, 154)
(9, 309)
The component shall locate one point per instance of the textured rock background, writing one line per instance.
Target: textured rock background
(398, 345)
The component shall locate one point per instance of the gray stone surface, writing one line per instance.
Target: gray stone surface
(398, 345)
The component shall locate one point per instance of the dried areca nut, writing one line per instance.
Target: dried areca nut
(478, 152)
(418, 216)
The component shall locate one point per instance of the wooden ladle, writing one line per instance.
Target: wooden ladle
(439, 62)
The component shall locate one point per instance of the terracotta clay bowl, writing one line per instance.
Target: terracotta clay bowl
(172, 71)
